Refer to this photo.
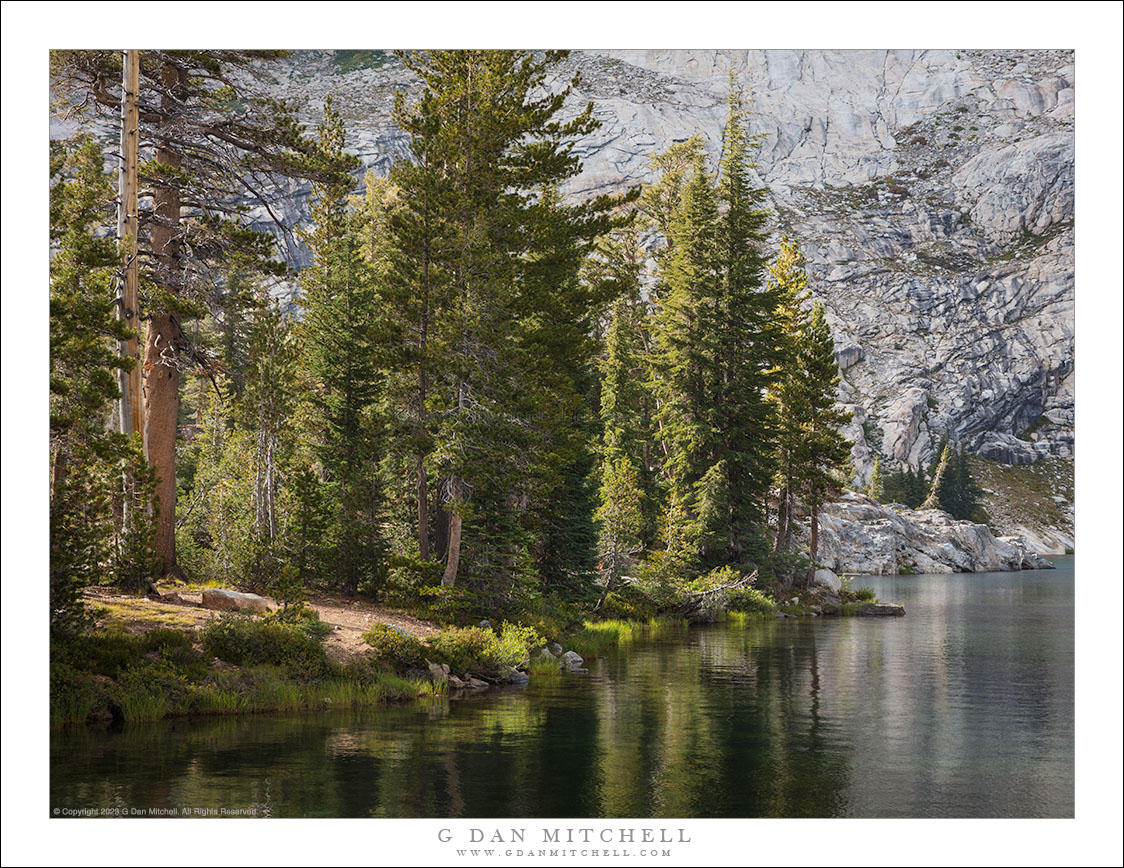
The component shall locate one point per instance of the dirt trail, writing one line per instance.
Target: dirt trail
(350, 619)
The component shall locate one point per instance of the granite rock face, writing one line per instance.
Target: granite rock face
(932, 192)
(860, 536)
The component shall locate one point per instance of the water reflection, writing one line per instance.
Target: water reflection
(964, 708)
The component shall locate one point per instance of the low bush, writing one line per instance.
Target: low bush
(628, 603)
(480, 651)
(242, 640)
(108, 653)
(75, 694)
(456, 605)
(396, 649)
(751, 601)
(859, 595)
(597, 637)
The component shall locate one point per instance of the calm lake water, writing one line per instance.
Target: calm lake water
(962, 709)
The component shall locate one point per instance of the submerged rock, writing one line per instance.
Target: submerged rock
(881, 609)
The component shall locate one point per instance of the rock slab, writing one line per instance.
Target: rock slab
(881, 609)
(233, 601)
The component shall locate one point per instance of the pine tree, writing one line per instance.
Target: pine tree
(825, 451)
(747, 336)
(959, 495)
(91, 537)
(812, 451)
(620, 516)
(788, 393)
(343, 344)
(714, 348)
(626, 407)
(938, 469)
(267, 402)
(684, 350)
(216, 141)
(875, 488)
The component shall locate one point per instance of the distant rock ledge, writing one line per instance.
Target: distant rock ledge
(860, 536)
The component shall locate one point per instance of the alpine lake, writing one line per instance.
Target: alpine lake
(964, 708)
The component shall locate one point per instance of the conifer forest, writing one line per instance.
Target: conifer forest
(481, 393)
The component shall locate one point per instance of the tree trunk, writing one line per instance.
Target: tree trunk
(59, 474)
(453, 561)
(441, 530)
(814, 541)
(161, 409)
(784, 519)
(161, 374)
(423, 511)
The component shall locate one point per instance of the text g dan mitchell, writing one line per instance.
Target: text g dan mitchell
(575, 835)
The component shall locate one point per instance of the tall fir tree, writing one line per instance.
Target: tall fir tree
(959, 494)
(714, 349)
(788, 394)
(825, 451)
(812, 451)
(747, 337)
(684, 360)
(344, 344)
(875, 486)
(488, 147)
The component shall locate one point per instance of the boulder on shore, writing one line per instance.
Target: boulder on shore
(233, 601)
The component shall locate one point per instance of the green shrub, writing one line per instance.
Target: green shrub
(147, 693)
(628, 603)
(751, 602)
(480, 651)
(395, 649)
(596, 637)
(242, 640)
(549, 616)
(109, 653)
(75, 694)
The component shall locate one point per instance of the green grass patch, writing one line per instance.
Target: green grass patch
(543, 668)
(597, 637)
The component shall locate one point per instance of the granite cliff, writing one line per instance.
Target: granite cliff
(932, 191)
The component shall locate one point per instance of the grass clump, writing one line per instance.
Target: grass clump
(597, 637)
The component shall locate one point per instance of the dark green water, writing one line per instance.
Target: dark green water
(962, 709)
